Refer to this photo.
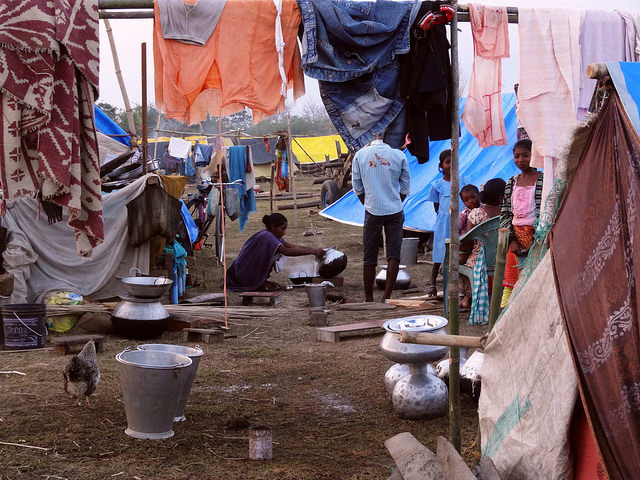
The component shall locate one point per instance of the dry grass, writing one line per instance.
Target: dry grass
(326, 403)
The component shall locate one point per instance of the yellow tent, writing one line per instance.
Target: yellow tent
(317, 148)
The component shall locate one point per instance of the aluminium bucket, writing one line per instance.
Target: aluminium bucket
(409, 251)
(317, 295)
(152, 383)
(24, 325)
(194, 354)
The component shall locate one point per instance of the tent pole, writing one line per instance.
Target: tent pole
(454, 329)
(123, 90)
(498, 276)
(143, 52)
(291, 172)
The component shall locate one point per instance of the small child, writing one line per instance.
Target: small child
(520, 210)
(440, 195)
(470, 196)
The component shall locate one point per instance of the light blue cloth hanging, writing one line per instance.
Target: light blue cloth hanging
(189, 167)
(284, 169)
(203, 154)
(179, 270)
(192, 228)
(238, 170)
(480, 301)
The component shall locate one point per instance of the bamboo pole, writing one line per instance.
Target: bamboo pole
(498, 276)
(273, 170)
(425, 338)
(123, 89)
(291, 171)
(454, 329)
(143, 64)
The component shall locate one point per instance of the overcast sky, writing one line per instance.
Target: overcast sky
(129, 34)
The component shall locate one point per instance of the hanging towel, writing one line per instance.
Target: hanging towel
(189, 22)
(548, 91)
(179, 148)
(238, 159)
(483, 111)
(604, 36)
(203, 154)
(480, 298)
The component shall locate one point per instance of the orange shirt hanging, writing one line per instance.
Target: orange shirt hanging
(237, 66)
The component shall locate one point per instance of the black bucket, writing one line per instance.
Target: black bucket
(24, 325)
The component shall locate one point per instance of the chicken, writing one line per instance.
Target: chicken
(81, 374)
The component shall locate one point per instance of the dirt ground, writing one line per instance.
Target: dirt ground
(325, 402)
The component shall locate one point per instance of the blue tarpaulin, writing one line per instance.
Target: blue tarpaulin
(476, 163)
(105, 125)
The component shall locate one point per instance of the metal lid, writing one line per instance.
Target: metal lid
(415, 323)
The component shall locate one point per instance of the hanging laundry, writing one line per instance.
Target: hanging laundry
(179, 148)
(425, 79)
(153, 212)
(238, 66)
(351, 48)
(550, 71)
(189, 21)
(238, 159)
(604, 36)
(482, 113)
(203, 154)
(47, 129)
(282, 181)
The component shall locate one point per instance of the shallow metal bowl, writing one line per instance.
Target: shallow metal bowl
(146, 287)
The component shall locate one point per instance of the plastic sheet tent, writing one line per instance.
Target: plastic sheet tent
(105, 125)
(476, 164)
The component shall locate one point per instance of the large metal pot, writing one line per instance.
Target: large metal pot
(140, 319)
(333, 263)
(403, 280)
(146, 287)
(412, 352)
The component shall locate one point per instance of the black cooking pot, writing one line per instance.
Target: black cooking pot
(333, 263)
(298, 278)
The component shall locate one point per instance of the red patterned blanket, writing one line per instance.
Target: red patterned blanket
(48, 84)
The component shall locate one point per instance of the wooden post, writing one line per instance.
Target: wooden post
(116, 66)
(273, 170)
(155, 145)
(144, 107)
(454, 329)
(498, 276)
(425, 338)
(291, 172)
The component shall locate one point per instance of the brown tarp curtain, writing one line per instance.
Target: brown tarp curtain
(594, 247)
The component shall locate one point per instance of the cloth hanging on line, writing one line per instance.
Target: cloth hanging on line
(480, 297)
(153, 212)
(191, 81)
(188, 21)
(425, 79)
(351, 49)
(482, 114)
(179, 147)
(603, 36)
(238, 158)
(203, 154)
(282, 181)
(48, 141)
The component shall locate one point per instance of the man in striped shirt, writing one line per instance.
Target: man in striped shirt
(381, 181)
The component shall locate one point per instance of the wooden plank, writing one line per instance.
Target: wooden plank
(411, 303)
(274, 297)
(414, 460)
(74, 343)
(336, 333)
(451, 463)
(291, 206)
(426, 338)
(365, 306)
(206, 298)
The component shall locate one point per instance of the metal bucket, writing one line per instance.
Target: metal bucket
(194, 354)
(152, 382)
(409, 251)
(317, 295)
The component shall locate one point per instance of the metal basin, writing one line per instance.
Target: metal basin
(146, 287)
(410, 352)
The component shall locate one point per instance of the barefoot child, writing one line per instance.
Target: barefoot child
(520, 210)
(440, 195)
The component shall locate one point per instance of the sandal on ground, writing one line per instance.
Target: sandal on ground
(432, 292)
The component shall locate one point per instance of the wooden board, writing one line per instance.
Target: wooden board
(74, 343)
(365, 306)
(417, 303)
(340, 332)
(207, 298)
(274, 297)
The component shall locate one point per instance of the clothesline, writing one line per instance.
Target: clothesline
(144, 9)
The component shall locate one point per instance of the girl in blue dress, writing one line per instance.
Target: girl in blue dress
(440, 195)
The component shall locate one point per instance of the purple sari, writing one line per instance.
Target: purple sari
(253, 264)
